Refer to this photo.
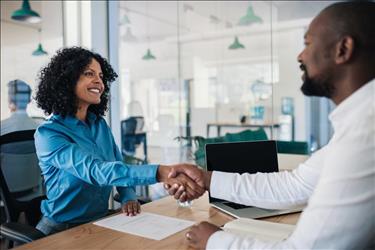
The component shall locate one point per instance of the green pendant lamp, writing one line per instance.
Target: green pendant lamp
(236, 44)
(125, 20)
(249, 18)
(26, 14)
(148, 55)
(39, 50)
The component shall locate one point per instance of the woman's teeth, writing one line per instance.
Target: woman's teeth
(94, 90)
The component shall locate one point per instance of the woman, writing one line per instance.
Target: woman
(77, 153)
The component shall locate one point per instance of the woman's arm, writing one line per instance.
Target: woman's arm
(55, 149)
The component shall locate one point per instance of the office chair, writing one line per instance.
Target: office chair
(21, 186)
(131, 137)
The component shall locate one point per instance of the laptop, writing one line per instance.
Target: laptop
(244, 157)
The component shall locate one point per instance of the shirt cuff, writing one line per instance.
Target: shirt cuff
(143, 174)
(126, 194)
(220, 240)
(221, 184)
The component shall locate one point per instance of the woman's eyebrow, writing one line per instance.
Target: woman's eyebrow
(94, 70)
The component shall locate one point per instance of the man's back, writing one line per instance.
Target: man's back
(18, 121)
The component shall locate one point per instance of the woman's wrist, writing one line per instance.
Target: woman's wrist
(162, 173)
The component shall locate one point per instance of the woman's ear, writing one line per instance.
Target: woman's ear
(344, 49)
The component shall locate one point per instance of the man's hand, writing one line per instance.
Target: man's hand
(198, 235)
(187, 189)
(131, 208)
(201, 177)
(184, 186)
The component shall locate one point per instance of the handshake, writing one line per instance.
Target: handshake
(184, 181)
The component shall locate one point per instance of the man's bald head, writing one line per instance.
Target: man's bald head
(355, 19)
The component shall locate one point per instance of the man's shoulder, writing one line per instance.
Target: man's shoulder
(15, 123)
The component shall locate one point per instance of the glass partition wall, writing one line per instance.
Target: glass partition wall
(188, 67)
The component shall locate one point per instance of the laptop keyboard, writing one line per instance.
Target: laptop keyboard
(235, 205)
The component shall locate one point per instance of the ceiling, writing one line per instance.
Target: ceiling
(156, 20)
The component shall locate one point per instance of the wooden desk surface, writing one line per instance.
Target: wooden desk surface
(90, 236)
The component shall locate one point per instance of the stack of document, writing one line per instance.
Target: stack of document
(263, 230)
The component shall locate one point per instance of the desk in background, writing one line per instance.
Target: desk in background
(90, 236)
(220, 125)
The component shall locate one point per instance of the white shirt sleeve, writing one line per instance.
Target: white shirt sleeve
(269, 190)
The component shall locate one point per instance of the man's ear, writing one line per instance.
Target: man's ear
(12, 106)
(344, 50)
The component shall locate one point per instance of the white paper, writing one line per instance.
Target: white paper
(148, 225)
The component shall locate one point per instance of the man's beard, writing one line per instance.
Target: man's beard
(319, 87)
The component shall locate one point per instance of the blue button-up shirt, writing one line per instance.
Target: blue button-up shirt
(80, 163)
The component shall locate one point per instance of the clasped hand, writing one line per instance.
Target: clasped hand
(185, 182)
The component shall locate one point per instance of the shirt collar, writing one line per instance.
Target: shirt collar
(352, 103)
(72, 120)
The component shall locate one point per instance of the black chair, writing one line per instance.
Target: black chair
(132, 136)
(21, 186)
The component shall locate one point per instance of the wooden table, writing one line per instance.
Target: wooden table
(90, 236)
(220, 125)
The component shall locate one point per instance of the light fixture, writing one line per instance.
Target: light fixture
(148, 55)
(129, 37)
(249, 18)
(39, 51)
(125, 20)
(214, 19)
(236, 44)
(187, 7)
(26, 14)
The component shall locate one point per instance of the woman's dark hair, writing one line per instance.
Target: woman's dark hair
(57, 81)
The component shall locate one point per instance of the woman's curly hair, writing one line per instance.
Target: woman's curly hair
(56, 89)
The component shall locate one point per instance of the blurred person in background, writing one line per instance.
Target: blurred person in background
(19, 96)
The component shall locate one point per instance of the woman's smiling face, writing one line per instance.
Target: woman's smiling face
(90, 85)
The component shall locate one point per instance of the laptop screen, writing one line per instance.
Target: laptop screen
(242, 157)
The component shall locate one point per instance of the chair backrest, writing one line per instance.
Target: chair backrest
(132, 125)
(19, 163)
(132, 135)
(20, 173)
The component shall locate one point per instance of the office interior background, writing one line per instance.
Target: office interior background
(181, 65)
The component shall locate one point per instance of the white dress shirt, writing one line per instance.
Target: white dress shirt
(337, 182)
(19, 120)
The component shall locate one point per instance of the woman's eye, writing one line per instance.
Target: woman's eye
(89, 74)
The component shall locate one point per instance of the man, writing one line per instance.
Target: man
(338, 181)
(19, 94)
